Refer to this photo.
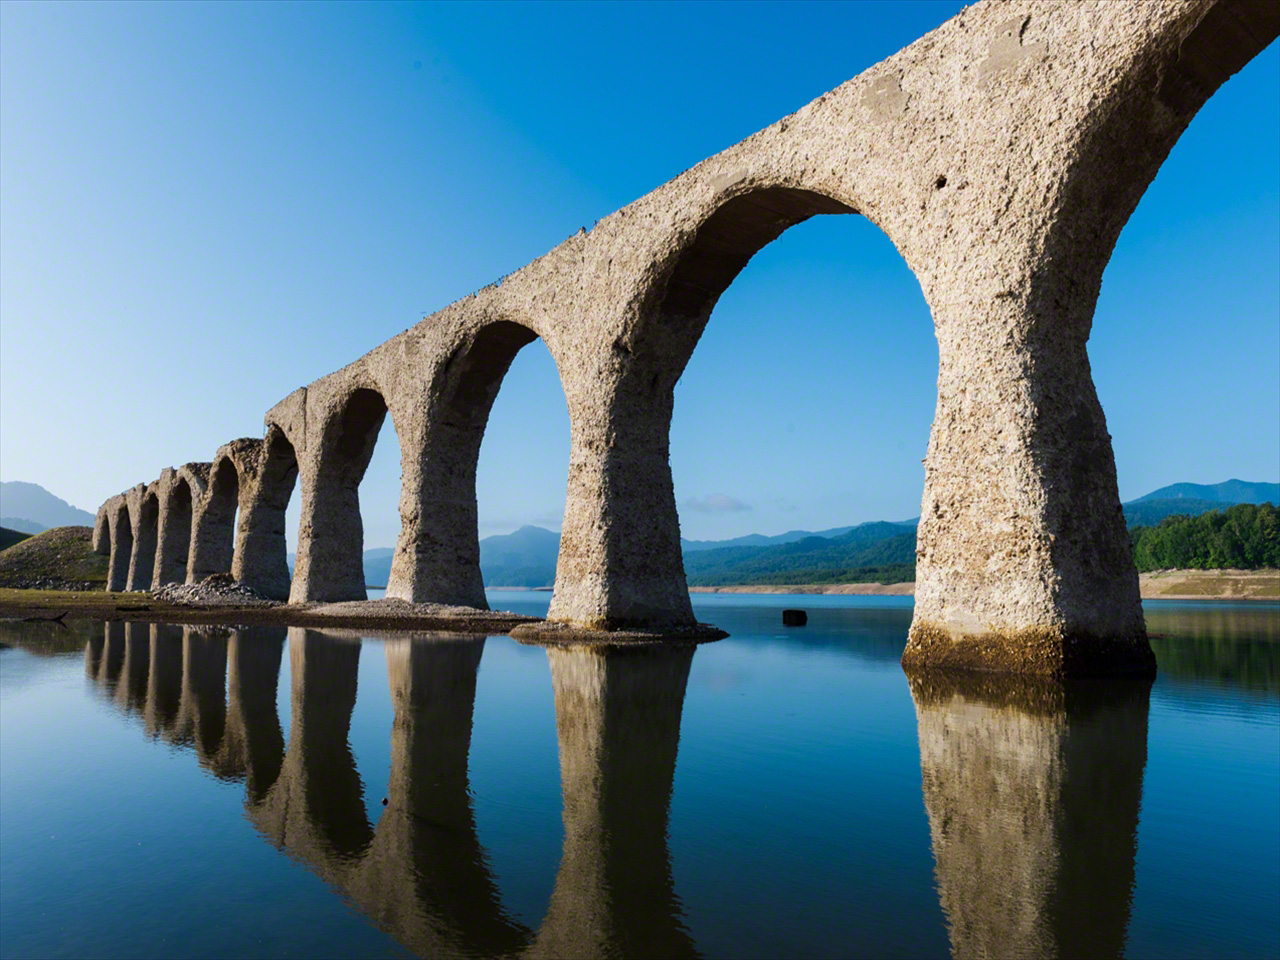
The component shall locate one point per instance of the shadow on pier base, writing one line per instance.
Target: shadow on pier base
(1034, 652)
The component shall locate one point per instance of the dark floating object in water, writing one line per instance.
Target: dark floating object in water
(794, 618)
(384, 801)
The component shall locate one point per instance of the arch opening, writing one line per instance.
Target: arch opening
(847, 424)
(213, 547)
(174, 544)
(725, 242)
(331, 537)
(524, 420)
(438, 555)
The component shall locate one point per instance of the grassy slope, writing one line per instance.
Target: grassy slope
(63, 553)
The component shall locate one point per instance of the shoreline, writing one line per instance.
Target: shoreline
(1242, 585)
(382, 614)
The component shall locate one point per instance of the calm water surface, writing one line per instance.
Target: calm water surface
(182, 792)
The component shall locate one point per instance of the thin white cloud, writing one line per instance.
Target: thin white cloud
(717, 503)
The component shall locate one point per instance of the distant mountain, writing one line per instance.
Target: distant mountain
(813, 559)
(1229, 491)
(525, 558)
(26, 526)
(33, 503)
(759, 539)
(878, 550)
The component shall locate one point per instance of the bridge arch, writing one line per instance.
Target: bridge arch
(146, 520)
(173, 545)
(438, 554)
(330, 565)
(214, 522)
(261, 553)
(620, 562)
(121, 544)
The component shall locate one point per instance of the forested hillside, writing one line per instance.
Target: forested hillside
(1243, 537)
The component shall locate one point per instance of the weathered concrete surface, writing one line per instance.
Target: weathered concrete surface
(1002, 154)
(1032, 787)
(144, 516)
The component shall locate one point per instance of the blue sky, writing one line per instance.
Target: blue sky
(203, 207)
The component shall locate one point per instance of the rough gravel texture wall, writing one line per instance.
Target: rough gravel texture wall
(1001, 153)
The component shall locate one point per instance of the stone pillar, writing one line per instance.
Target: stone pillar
(1023, 557)
(102, 532)
(261, 556)
(121, 545)
(437, 558)
(620, 564)
(1032, 787)
(144, 512)
(173, 540)
(213, 523)
(330, 564)
(618, 723)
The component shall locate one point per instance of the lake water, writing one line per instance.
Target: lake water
(171, 792)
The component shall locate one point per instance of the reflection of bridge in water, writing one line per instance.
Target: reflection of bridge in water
(421, 872)
(1032, 789)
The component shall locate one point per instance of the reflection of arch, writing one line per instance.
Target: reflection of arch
(253, 745)
(112, 658)
(618, 723)
(121, 544)
(213, 526)
(425, 879)
(422, 874)
(131, 689)
(145, 509)
(437, 556)
(202, 709)
(1032, 788)
(173, 544)
(330, 563)
(164, 681)
(316, 810)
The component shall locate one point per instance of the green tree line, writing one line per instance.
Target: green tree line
(1243, 537)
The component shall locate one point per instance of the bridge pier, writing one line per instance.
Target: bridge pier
(144, 515)
(620, 565)
(121, 531)
(268, 472)
(1023, 558)
(330, 563)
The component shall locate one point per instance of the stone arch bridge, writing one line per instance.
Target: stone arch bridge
(1002, 154)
